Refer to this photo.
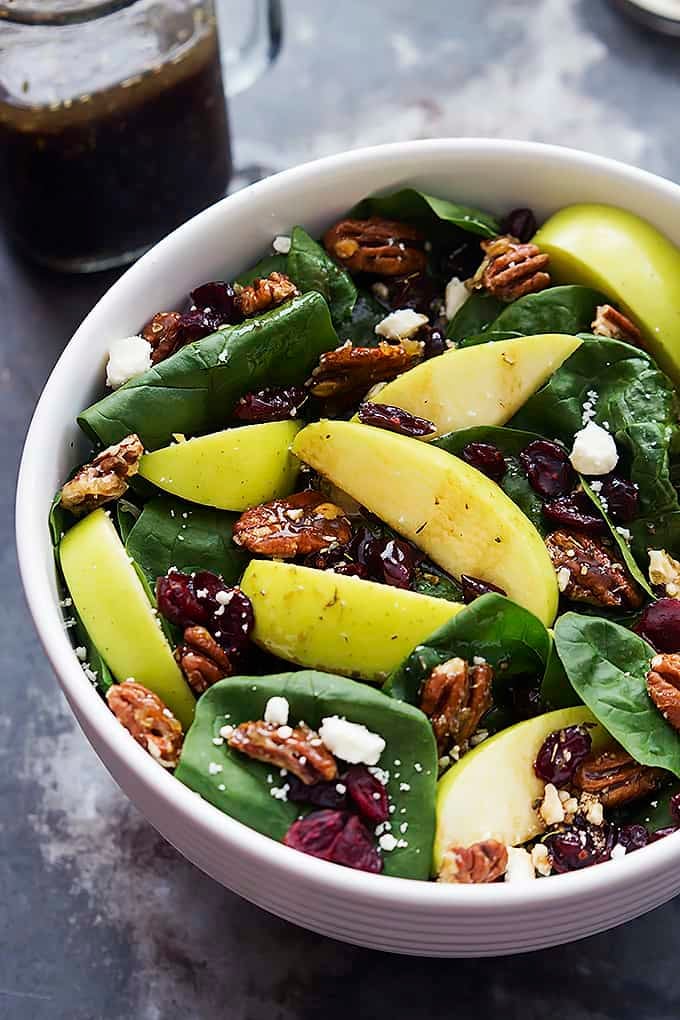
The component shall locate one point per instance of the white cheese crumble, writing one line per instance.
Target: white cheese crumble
(214, 768)
(387, 842)
(226, 732)
(128, 357)
(593, 809)
(276, 711)
(624, 533)
(455, 296)
(594, 451)
(401, 325)
(541, 859)
(520, 866)
(81, 653)
(351, 741)
(618, 852)
(280, 792)
(664, 570)
(551, 810)
(281, 244)
(563, 575)
(589, 407)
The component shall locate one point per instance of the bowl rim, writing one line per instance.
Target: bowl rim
(32, 535)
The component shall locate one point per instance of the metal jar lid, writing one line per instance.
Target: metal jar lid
(659, 15)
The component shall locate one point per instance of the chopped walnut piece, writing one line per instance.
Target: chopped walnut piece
(616, 778)
(202, 660)
(105, 478)
(481, 862)
(376, 245)
(455, 696)
(161, 332)
(147, 719)
(351, 371)
(510, 269)
(265, 293)
(614, 324)
(300, 750)
(664, 571)
(663, 686)
(298, 525)
(595, 576)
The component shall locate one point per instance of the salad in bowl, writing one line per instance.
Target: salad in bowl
(376, 546)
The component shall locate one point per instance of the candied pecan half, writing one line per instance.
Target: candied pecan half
(105, 478)
(455, 696)
(482, 862)
(201, 659)
(612, 323)
(615, 778)
(265, 293)
(663, 686)
(161, 332)
(510, 270)
(299, 750)
(375, 245)
(588, 572)
(147, 719)
(301, 524)
(350, 370)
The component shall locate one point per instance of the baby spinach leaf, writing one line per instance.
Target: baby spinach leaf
(269, 264)
(556, 691)
(429, 579)
(195, 390)
(310, 268)
(619, 539)
(172, 533)
(654, 815)
(509, 637)
(607, 667)
(472, 318)
(555, 310)
(489, 336)
(241, 789)
(410, 204)
(360, 326)
(127, 515)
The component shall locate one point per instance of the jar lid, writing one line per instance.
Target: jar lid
(659, 15)
(58, 12)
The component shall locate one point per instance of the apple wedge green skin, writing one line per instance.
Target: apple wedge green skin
(490, 793)
(229, 470)
(463, 521)
(615, 251)
(337, 623)
(482, 385)
(116, 612)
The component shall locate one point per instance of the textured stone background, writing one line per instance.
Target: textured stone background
(99, 919)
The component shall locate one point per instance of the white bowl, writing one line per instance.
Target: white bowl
(383, 913)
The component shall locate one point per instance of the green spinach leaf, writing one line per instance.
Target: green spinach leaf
(410, 204)
(127, 515)
(269, 264)
(310, 268)
(555, 310)
(556, 691)
(475, 316)
(620, 540)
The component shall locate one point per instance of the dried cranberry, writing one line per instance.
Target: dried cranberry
(322, 795)
(367, 794)
(575, 511)
(316, 833)
(580, 844)
(660, 625)
(632, 837)
(270, 404)
(434, 341)
(394, 419)
(196, 324)
(548, 468)
(622, 498)
(417, 291)
(668, 830)
(355, 848)
(204, 599)
(561, 754)
(399, 560)
(233, 620)
(177, 601)
(218, 298)
(487, 458)
(520, 223)
(473, 587)
(674, 807)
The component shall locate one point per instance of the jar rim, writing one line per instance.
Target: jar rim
(58, 12)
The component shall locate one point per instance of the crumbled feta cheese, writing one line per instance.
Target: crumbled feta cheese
(594, 450)
(281, 244)
(520, 866)
(664, 570)
(589, 407)
(214, 768)
(81, 653)
(387, 842)
(276, 711)
(226, 731)
(455, 296)
(478, 737)
(280, 792)
(625, 534)
(401, 325)
(284, 732)
(128, 357)
(618, 852)
(592, 809)
(224, 597)
(218, 741)
(541, 859)
(342, 789)
(405, 787)
(351, 741)
(551, 810)
(478, 660)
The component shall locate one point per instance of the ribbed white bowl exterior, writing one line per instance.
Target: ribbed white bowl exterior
(382, 913)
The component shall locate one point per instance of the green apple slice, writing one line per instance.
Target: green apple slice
(230, 470)
(337, 623)
(615, 251)
(482, 385)
(461, 519)
(117, 614)
(490, 793)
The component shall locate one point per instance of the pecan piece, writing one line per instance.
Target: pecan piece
(663, 686)
(612, 323)
(201, 659)
(147, 719)
(265, 293)
(616, 778)
(588, 572)
(162, 333)
(350, 370)
(105, 478)
(510, 269)
(299, 750)
(301, 524)
(376, 245)
(455, 696)
(481, 862)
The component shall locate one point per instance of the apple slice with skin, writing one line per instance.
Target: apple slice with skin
(461, 519)
(482, 385)
(615, 251)
(337, 623)
(490, 793)
(230, 470)
(117, 614)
